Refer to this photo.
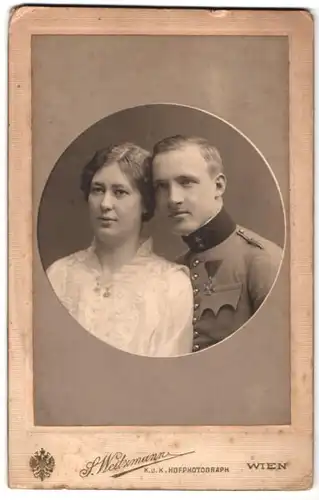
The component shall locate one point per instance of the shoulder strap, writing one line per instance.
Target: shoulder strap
(250, 239)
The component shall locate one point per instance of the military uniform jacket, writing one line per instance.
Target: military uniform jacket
(232, 270)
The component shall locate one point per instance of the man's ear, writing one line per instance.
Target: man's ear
(221, 182)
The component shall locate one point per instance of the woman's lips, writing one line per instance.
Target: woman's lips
(106, 221)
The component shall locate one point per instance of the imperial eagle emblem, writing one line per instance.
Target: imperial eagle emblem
(42, 464)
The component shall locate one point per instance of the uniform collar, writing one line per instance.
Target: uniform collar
(211, 234)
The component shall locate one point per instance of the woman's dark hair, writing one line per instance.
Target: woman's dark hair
(133, 161)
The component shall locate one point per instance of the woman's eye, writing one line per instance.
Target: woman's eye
(96, 189)
(119, 193)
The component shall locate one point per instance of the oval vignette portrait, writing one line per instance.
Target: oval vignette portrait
(161, 230)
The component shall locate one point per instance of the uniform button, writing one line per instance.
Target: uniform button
(194, 319)
(195, 263)
(196, 348)
(196, 306)
(195, 276)
(195, 290)
(196, 334)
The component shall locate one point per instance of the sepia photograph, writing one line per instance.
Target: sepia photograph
(179, 273)
(162, 272)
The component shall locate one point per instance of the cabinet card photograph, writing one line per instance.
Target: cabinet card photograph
(160, 249)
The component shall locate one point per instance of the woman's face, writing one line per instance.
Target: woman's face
(115, 205)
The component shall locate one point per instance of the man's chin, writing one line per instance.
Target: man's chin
(182, 228)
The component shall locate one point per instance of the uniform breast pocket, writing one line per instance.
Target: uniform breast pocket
(224, 296)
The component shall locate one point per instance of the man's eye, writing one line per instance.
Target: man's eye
(186, 183)
(160, 187)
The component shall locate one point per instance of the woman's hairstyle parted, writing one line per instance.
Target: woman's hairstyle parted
(133, 161)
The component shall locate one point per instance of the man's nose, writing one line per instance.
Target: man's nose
(107, 201)
(175, 195)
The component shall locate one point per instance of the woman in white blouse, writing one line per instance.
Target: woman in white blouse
(118, 289)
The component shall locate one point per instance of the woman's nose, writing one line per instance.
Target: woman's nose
(107, 201)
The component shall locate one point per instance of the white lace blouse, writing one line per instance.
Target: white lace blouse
(146, 309)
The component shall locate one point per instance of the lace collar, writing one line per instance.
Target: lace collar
(145, 249)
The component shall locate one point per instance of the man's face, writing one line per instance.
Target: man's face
(186, 192)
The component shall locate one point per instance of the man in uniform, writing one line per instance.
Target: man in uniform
(232, 269)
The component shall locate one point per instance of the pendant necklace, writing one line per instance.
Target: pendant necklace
(105, 290)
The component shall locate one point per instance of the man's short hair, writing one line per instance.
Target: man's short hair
(210, 153)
